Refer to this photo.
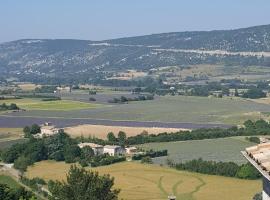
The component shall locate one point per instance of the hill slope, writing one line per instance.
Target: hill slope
(86, 60)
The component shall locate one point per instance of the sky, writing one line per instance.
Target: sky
(108, 19)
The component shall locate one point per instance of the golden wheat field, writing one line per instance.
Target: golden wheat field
(140, 182)
(101, 131)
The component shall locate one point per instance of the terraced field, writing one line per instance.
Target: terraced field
(140, 182)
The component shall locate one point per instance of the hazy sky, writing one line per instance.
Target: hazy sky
(104, 19)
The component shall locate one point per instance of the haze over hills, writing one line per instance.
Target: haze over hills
(34, 59)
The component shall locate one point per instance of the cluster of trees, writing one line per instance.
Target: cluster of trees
(257, 196)
(46, 89)
(120, 140)
(82, 184)
(7, 193)
(6, 91)
(230, 169)
(147, 160)
(253, 139)
(254, 93)
(51, 99)
(124, 99)
(31, 130)
(259, 127)
(35, 184)
(12, 106)
(101, 160)
(59, 147)
(151, 154)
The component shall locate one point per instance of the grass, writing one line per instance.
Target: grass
(6, 143)
(8, 181)
(10, 136)
(140, 182)
(62, 105)
(224, 149)
(10, 132)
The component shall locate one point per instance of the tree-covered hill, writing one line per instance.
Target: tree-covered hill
(38, 59)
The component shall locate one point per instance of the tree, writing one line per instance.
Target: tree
(35, 129)
(123, 99)
(257, 196)
(111, 137)
(236, 93)
(22, 163)
(122, 137)
(254, 93)
(87, 152)
(83, 185)
(6, 193)
(26, 131)
(147, 159)
(71, 152)
(247, 172)
(13, 106)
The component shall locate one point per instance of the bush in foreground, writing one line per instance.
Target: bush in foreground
(82, 184)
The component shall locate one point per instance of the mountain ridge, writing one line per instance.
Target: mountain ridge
(65, 57)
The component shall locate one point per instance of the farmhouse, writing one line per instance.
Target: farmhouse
(98, 149)
(47, 130)
(113, 150)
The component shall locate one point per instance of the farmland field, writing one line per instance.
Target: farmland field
(10, 136)
(8, 181)
(61, 105)
(140, 182)
(223, 149)
(101, 131)
(182, 109)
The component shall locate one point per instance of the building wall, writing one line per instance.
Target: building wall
(98, 151)
(266, 189)
(265, 196)
(111, 152)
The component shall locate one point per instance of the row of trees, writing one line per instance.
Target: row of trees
(124, 99)
(251, 128)
(151, 154)
(259, 127)
(12, 106)
(230, 169)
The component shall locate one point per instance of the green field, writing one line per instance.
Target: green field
(61, 105)
(8, 181)
(224, 149)
(141, 182)
(165, 109)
